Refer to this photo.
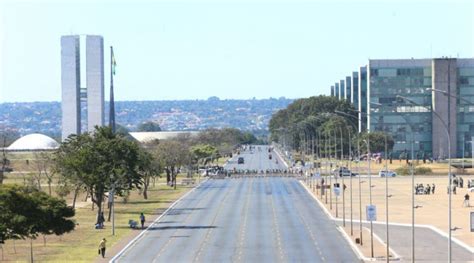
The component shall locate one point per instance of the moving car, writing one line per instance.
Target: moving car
(389, 173)
(240, 160)
(343, 171)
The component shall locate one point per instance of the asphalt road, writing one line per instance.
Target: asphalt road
(257, 159)
(265, 219)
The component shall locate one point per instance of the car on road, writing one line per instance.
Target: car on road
(240, 160)
(343, 171)
(388, 173)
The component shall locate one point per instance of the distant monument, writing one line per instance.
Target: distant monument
(72, 92)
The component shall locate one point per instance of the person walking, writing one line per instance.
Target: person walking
(142, 219)
(102, 246)
(433, 189)
(466, 201)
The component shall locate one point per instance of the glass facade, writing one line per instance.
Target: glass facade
(336, 88)
(332, 91)
(363, 98)
(342, 89)
(404, 121)
(348, 89)
(355, 89)
(465, 108)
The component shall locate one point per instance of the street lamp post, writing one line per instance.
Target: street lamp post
(335, 173)
(386, 195)
(449, 151)
(343, 185)
(446, 128)
(370, 185)
(358, 171)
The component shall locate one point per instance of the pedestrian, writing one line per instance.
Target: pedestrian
(454, 190)
(433, 188)
(466, 201)
(142, 219)
(100, 221)
(461, 182)
(102, 246)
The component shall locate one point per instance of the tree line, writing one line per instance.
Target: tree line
(316, 124)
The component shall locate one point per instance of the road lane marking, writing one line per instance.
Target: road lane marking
(133, 241)
(210, 230)
(276, 229)
(243, 226)
(168, 242)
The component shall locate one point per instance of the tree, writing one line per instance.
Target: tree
(172, 155)
(203, 152)
(43, 162)
(149, 168)
(99, 161)
(377, 141)
(27, 212)
(5, 163)
(149, 126)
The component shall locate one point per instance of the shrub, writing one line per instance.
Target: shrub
(423, 170)
(403, 170)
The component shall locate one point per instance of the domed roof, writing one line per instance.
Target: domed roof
(34, 141)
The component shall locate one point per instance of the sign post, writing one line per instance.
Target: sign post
(371, 212)
(472, 221)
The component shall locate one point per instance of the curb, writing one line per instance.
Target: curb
(133, 241)
(344, 234)
(281, 158)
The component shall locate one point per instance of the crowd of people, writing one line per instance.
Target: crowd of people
(427, 189)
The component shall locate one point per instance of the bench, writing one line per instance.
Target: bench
(188, 181)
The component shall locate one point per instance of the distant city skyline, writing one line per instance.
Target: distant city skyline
(231, 49)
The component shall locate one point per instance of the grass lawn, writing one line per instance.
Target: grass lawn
(81, 244)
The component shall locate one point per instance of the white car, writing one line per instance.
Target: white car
(384, 173)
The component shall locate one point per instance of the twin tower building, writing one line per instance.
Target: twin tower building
(90, 93)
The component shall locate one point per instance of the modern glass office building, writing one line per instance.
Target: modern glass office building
(362, 99)
(465, 109)
(407, 123)
(429, 113)
(355, 89)
(348, 89)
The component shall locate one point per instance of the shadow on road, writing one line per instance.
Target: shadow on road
(181, 227)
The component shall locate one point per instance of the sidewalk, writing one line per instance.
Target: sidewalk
(429, 245)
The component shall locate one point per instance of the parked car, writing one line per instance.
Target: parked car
(389, 173)
(240, 160)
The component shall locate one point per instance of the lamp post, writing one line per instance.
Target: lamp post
(370, 182)
(343, 185)
(449, 175)
(386, 194)
(112, 203)
(358, 171)
(446, 128)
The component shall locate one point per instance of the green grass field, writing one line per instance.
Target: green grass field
(81, 244)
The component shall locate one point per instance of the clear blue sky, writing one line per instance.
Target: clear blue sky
(229, 49)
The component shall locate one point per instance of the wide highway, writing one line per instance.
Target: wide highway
(250, 219)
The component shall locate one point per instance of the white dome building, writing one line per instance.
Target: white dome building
(34, 142)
